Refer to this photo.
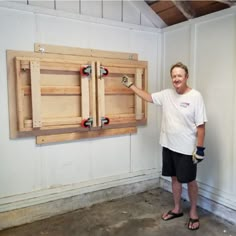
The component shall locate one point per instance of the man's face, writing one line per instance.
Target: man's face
(179, 79)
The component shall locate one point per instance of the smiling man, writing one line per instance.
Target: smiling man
(182, 137)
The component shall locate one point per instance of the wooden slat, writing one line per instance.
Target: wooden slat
(121, 70)
(123, 65)
(81, 135)
(122, 118)
(118, 91)
(55, 90)
(46, 48)
(72, 59)
(62, 64)
(50, 129)
(53, 59)
(93, 97)
(85, 97)
(100, 95)
(36, 93)
(71, 65)
(55, 121)
(12, 94)
(53, 63)
(138, 100)
(145, 87)
(20, 98)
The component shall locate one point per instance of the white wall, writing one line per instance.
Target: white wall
(117, 10)
(207, 46)
(32, 174)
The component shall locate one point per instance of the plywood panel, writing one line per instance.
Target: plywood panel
(113, 81)
(61, 106)
(119, 104)
(60, 79)
(27, 104)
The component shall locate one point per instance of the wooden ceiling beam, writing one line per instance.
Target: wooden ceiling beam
(185, 8)
(230, 3)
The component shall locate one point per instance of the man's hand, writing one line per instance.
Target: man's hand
(198, 154)
(126, 81)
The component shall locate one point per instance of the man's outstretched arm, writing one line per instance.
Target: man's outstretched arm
(141, 93)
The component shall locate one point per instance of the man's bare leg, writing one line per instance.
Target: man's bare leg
(177, 191)
(193, 195)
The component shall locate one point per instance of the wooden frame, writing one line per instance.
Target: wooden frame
(50, 95)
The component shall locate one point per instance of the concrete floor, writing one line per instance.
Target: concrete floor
(137, 215)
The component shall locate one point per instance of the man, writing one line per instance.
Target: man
(182, 137)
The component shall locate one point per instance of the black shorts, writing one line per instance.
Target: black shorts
(179, 165)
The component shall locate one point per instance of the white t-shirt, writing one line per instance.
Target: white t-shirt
(182, 113)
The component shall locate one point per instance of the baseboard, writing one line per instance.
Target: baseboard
(84, 198)
(211, 205)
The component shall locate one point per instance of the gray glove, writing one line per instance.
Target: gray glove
(126, 81)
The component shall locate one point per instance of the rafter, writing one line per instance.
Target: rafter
(185, 8)
(230, 3)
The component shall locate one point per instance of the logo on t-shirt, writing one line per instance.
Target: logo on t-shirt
(184, 104)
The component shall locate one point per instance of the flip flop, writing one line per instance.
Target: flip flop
(172, 215)
(192, 221)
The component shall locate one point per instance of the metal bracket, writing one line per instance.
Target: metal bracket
(104, 121)
(86, 70)
(42, 50)
(87, 123)
(103, 72)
